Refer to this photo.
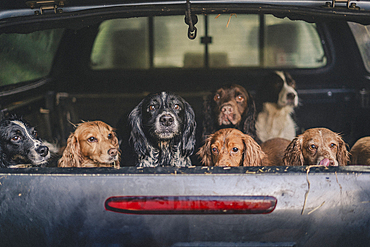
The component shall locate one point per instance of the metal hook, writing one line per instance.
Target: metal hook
(190, 20)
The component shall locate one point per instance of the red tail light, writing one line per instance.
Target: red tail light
(191, 204)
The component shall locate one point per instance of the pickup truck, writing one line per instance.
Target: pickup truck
(63, 62)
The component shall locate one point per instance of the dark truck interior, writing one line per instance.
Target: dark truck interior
(80, 87)
(59, 69)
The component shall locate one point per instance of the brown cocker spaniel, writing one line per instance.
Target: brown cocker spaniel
(231, 147)
(93, 144)
(317, 146)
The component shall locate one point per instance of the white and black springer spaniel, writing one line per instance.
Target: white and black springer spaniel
(20, 146)
(276, 99)
(162, 131)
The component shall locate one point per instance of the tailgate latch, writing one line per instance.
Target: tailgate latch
(42, 6)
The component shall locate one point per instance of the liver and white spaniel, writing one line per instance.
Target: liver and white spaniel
(230, 106)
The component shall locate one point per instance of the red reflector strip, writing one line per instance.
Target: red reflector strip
(191, 204)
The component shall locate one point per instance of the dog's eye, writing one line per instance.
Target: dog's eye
(332, 145)
(239, 98)
(16, 138)
(235, 149)
(177, 107)
(313, 146)
(291, 83)
(92, 139)
(110, 136)
(217, 97)
(34, 133)
(215, 150)
(151, 108)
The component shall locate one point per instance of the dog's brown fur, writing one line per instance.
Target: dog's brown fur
(93, 144)
(317, 146)
(360, 152)
(230, 147)
(274, 150)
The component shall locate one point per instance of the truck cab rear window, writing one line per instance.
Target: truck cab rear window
(223, 41)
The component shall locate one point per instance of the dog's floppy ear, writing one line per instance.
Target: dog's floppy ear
(205, 152)
(249, 124)
(137, 136)
(253, 153)
(293, 155)
(342, 154)
(116, 143)
(188, 135)
(72, 153)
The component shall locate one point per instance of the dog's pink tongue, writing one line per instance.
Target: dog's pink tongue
(324, 162)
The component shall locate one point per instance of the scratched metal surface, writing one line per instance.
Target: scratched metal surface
(43, 207)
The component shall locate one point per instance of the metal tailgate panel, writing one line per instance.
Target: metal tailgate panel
(68, 210)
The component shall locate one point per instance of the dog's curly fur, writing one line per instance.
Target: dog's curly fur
(230, 106)
(92, 144)
(19, 144)
(317, 146)
(162, 131)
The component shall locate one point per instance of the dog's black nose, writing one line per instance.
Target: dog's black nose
(43, 150)
(166, 120)
(290, 96)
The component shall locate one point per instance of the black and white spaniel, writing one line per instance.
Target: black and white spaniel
(276, 99)
(20, 146)
(162, 131)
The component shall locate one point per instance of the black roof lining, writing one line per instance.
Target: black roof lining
(77, 20)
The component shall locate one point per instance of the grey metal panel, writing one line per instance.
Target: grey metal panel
(68, 209)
